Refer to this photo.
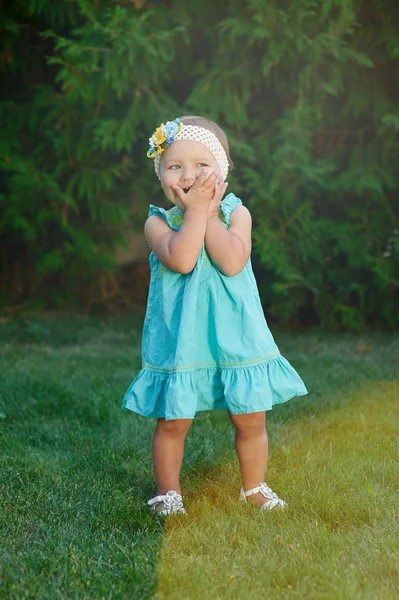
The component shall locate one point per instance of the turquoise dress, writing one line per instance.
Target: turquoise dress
(206, 343)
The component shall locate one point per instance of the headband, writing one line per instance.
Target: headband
(174, 131)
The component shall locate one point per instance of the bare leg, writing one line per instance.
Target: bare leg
(167, 453)
(252, 450)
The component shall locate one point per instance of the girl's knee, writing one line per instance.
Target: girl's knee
(250, 423)
(177, 427)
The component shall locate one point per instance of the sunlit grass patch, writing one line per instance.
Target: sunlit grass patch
(337, 539)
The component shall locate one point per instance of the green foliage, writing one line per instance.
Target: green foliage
(305, 90)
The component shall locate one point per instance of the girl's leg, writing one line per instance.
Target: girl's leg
(167, 453)
(252, 450)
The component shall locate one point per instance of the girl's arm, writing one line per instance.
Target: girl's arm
(179, 250)
(230, 248)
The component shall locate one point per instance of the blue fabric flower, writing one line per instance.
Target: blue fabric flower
(163, 137)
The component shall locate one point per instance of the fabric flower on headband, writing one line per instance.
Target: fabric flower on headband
(163, 137)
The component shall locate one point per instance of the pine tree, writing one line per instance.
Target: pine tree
(304, 89)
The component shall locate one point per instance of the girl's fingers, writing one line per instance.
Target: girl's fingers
(179, 192)
(200, 179)
(220, 185)
(211, 180)
(220, 189)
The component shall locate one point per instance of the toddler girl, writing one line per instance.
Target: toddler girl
(206, 344)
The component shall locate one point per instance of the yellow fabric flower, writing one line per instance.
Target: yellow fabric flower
(159, 137)
(153, 153)
(163, 136)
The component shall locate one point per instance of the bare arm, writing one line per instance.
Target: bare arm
(230, 248)
(179, 250)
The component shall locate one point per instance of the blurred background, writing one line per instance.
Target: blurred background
(307, 93)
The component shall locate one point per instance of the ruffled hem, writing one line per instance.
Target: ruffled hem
(241, 390)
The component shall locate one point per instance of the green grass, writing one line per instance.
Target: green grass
(76, 473)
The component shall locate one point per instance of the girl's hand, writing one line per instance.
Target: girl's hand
(220, 190)
(201, 192)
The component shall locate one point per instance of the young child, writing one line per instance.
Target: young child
(206, 344)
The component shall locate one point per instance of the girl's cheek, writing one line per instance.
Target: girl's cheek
(171, 177)
(167, 180)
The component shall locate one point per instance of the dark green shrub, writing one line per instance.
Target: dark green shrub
(306, 92)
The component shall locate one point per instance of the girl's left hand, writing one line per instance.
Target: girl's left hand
(220, 189)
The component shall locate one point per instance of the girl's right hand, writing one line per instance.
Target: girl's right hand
(201, 192)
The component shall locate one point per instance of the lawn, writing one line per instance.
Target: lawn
(76, 474)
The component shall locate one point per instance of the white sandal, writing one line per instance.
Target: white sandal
(172, 502)
(273, 499)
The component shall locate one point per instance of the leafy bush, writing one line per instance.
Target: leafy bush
(306, 92)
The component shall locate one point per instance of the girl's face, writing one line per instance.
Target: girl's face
(181, 164)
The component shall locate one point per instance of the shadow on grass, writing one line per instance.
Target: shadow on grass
(74, 514)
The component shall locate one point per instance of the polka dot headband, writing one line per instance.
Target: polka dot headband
(174, 131)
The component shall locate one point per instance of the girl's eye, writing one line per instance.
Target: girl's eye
(175, 167)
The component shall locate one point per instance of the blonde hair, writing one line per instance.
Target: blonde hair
(213, 128)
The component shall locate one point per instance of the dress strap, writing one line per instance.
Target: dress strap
(173, 216)
(227, 206)
(154, 210)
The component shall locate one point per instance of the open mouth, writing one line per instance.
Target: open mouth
(186, 190)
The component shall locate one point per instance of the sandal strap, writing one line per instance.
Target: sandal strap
(270, 504)
(156, 500)
(172, 503)
(251, 492)
(272, 498)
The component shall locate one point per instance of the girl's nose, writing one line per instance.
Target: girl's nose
(188, 176)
